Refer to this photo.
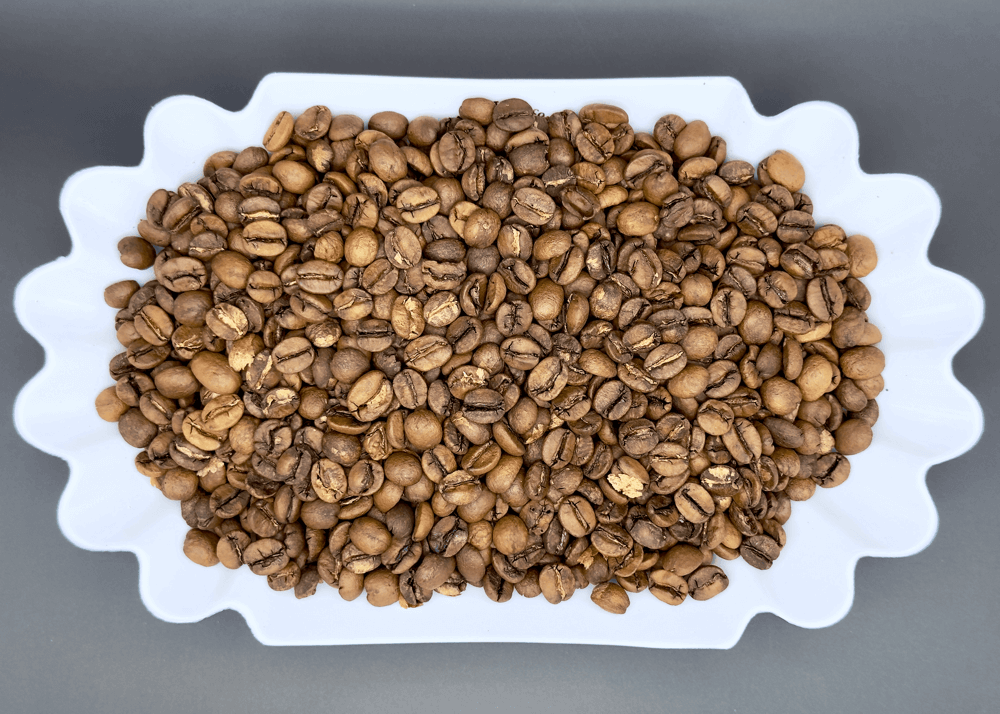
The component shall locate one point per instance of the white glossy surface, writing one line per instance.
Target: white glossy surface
(107, 506)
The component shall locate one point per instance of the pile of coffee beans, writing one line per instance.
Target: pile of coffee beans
(513, 351)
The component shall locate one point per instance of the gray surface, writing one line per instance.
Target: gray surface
(919, 78)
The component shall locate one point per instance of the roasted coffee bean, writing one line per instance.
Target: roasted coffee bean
(265, 556)
(666, 361)
(610, 597)
(613, 400)
(200, 547)
(760, 551)
(638, 437)
(784, 169)
(611, 540)
(831, 470)
(707, 582)
(533, 206)
(370, 536)
(510, 535)
(694, 503)
(557, 583)
(483, 406)
(577, 517)
(668, 587)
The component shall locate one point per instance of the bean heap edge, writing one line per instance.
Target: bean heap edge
(507, 350)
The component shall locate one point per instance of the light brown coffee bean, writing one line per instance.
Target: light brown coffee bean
(610, 597)
(707, 582)
(510, 535)
(785, 169)
(200, 547)
(668, 587)
(861, 363)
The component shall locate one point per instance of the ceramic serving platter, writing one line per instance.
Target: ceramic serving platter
(883, 510)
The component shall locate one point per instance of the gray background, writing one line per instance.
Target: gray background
(920, 79)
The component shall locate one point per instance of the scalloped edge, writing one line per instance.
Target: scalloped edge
(277, 84)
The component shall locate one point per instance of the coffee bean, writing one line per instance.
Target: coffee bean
(852, 437)
(418, 204)
(577, 516)
(861, 363)
(689, 382)
(613, 400)
(825, 298)
(785, 169)
(370, 536)
(199, 547)
(729, 307)
(483, 406)
(513, 115)
(381, 588)
(831, 470)
(707, 582)
(510, 535)
(610, 597)
(638, 437)
(760, 551)
(313, 123)
(423, 430)
(427, 352)
(721, 480)
(694, 503)
(230, 548)
(533, 206)
(136, 429)
(265, 556)
(668, 587)
(557, 583)
(611, 540)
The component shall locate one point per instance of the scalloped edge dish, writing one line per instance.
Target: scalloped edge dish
(106, 506)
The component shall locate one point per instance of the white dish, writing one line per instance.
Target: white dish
(883, 510)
